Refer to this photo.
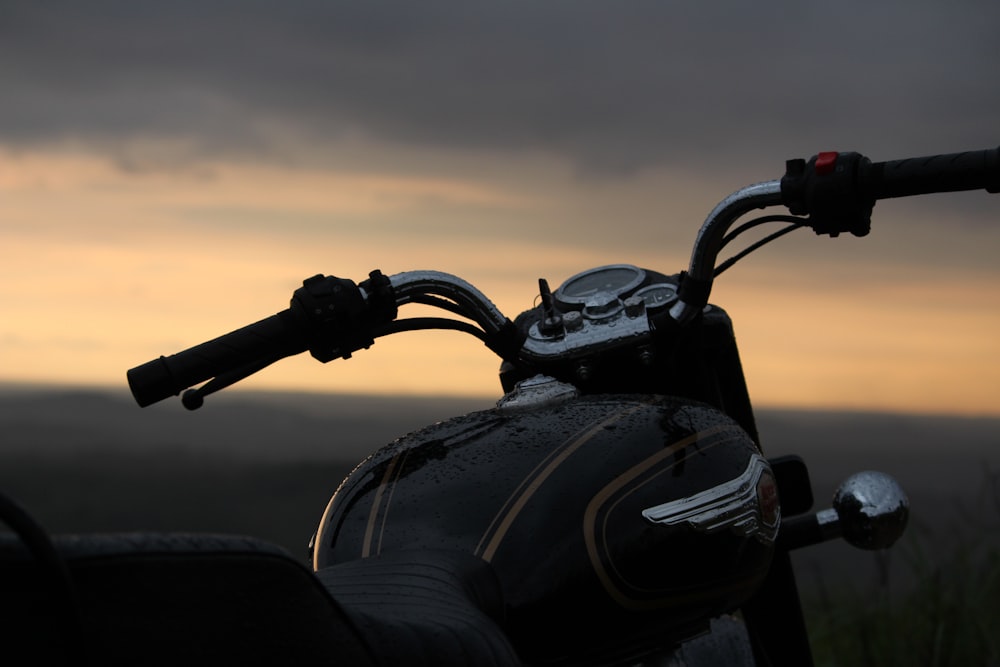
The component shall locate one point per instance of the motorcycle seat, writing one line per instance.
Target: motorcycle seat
(172, 599)
(425, 607)
(175, 598)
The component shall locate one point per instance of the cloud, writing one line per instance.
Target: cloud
(608, 87)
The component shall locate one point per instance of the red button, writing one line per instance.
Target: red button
(825, 162)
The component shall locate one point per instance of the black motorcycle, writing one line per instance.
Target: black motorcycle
(615, 507)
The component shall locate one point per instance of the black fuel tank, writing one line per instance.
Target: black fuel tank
(613, 521)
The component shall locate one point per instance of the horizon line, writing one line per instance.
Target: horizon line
(8, 387)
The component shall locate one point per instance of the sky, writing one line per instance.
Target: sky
(171, 171)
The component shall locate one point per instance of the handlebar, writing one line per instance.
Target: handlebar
(332, 317)
(272, 338)
(971, 170)
(837, 191)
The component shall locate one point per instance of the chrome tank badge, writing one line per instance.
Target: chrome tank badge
(537, 392)
(747, 505)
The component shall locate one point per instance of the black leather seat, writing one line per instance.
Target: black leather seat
(425, 608)
(172, 599)
(197, 599)
(180, 599)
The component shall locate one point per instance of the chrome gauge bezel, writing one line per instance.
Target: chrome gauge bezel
(648, 289)
(576, 302)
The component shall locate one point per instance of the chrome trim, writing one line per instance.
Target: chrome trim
(536, 392)
(828, 524)
(665, 288)
(731, 505)
(584, 335)
(713, 230)
(451, 287)
(872, 509)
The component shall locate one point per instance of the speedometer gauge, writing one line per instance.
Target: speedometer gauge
(614, 279)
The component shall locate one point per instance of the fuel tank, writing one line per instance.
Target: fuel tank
(615, 523)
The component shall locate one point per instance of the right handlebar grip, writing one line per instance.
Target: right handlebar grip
(971, 170)
(279, 335)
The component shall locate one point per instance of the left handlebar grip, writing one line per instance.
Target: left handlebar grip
(279, 335)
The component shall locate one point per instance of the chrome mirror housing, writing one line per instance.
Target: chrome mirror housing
(872, 510)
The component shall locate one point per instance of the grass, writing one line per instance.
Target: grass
(947, 614)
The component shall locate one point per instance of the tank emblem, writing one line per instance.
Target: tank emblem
(613, 576)
(537, 392)
(744, 504)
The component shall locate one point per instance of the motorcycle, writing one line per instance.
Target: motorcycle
(616, 506)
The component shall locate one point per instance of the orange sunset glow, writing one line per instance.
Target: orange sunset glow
(158, 192)
(103, 269)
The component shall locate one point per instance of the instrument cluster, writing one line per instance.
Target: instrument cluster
(598, 309)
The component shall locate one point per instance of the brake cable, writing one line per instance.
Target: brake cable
(794, 223)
